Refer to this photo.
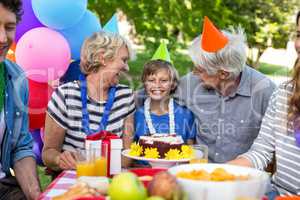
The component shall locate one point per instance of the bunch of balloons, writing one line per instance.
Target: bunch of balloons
(47, 46)
(48, 39)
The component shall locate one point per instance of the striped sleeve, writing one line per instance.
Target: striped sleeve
(131, 104)
(262, 150)
(57, 108)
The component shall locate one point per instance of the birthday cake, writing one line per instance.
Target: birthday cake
(162, 142)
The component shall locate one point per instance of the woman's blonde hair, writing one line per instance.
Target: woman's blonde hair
(100, 42)
(294, 100)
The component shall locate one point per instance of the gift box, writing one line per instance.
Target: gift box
(114, 144)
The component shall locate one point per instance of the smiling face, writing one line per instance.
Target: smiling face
(115, 66)
(297, 41)
(159, 85)
(8, 23)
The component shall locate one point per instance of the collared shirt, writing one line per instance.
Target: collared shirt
(228, 125)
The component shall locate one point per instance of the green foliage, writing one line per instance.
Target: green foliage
(274, 70)
(181, 20)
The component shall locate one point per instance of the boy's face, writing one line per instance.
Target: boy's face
(8, 23)
(159, 85)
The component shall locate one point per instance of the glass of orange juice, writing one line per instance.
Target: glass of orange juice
(84, 163)
(200, 154)
(100, 160)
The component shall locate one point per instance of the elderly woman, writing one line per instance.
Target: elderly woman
(280, 135)
(96, 102)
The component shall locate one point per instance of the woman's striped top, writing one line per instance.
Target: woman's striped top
(277, 136)
(65, 108)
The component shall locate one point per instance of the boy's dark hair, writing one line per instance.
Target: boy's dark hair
(14, 6)
(298, 17)
(154, 66)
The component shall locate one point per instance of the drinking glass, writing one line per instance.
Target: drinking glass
(100, 160)
(200, 154)
(84, 163)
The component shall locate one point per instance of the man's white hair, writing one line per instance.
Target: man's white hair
(232, 58)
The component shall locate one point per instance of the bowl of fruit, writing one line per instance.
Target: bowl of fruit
(220, 181)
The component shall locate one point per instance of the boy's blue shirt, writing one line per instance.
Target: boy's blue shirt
(184, 123)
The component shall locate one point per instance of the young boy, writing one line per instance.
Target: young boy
(160, 113)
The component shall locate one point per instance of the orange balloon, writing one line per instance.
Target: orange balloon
(11, 56)
(13, 47)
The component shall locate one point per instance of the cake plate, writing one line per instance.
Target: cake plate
(156, 162)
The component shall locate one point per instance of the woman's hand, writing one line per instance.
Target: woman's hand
(66, 160)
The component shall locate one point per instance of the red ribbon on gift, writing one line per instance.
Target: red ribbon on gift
(105, 136)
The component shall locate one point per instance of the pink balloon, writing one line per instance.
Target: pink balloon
(44, 54)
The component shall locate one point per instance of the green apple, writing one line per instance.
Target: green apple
(126, 186)
(155, 198)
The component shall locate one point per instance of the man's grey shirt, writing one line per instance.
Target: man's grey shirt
(228, 125)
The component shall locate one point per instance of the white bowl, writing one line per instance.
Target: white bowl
(254, 188)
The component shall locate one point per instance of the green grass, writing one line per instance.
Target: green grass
(183, 65)
(44, 179)
(274, 70)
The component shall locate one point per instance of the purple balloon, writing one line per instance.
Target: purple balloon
(37, 145)
(37, 151)
(29, 20)
(36, 135)
(297, 136)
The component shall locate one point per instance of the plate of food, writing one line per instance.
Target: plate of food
(156, 162)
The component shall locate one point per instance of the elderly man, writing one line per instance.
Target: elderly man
(227, 97)
(15, 139)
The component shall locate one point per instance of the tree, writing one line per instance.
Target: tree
(181, 20)
(266, 22)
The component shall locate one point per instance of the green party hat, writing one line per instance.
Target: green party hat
(162, 53)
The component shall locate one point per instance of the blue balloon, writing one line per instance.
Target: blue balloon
(112, 25)
(59, 14)
(76, 35)
(72, 73)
